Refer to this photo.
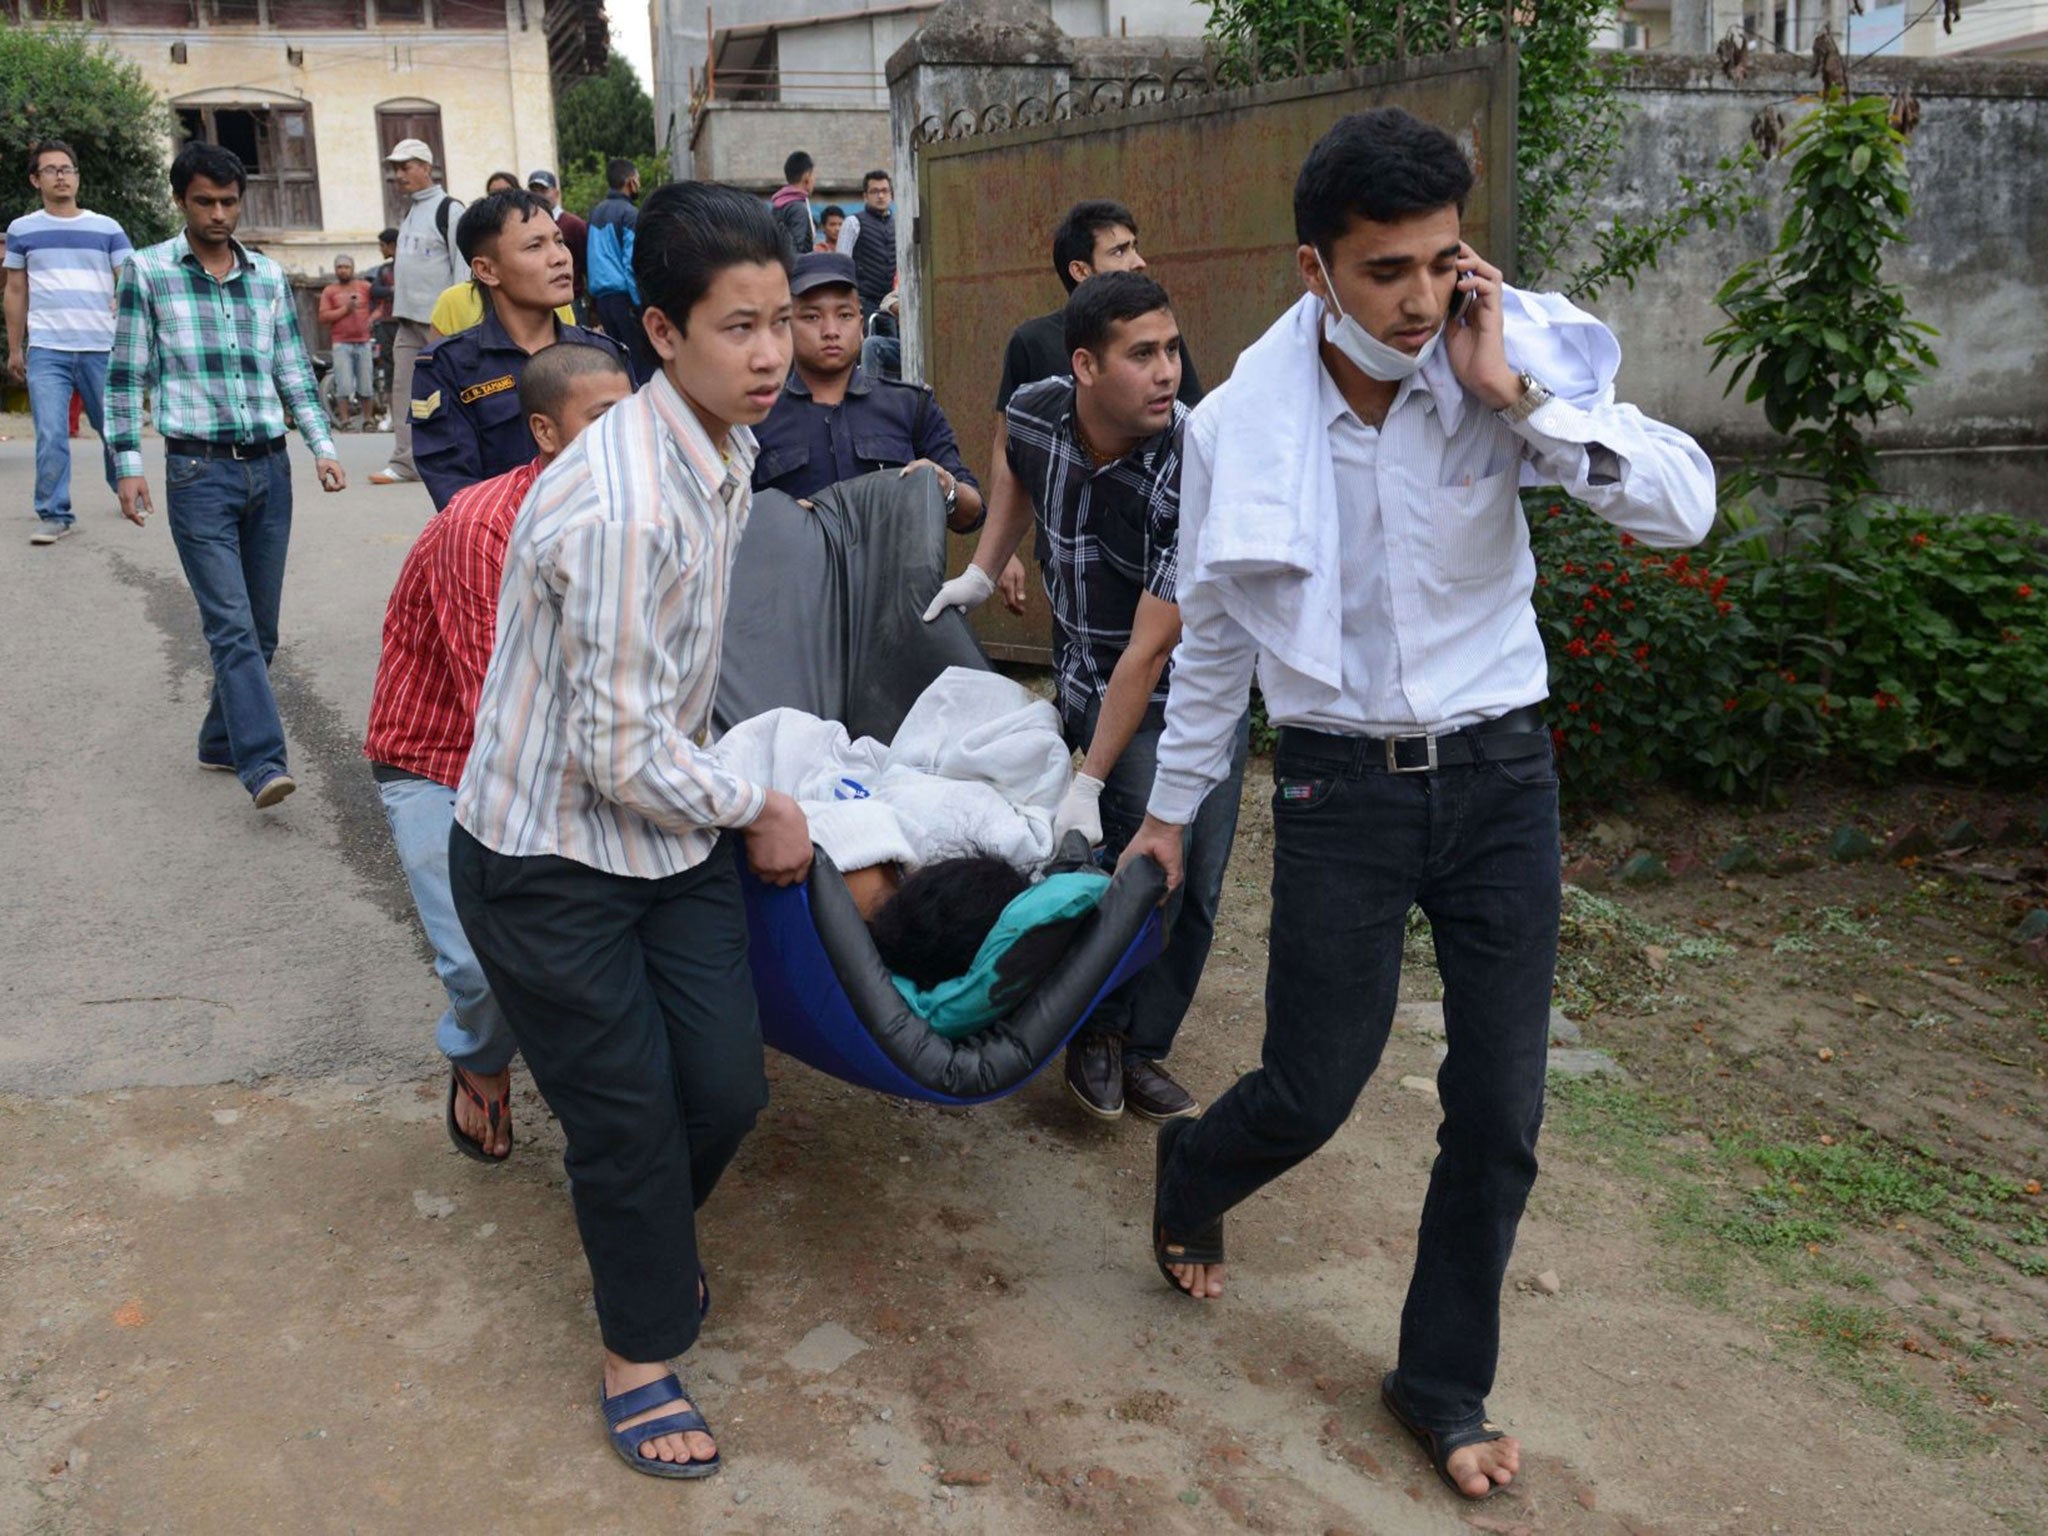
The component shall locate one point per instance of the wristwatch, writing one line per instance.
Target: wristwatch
(1535, 395)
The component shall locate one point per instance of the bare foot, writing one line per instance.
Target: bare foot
(474, 1120)
(1204, 1282)
(622, 1375)
(1479, 1469)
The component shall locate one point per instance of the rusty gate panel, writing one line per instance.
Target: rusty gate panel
(1210, 179)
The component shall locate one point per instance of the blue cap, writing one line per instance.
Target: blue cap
(821, 269)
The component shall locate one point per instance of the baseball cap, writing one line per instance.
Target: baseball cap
(543, 179)
(409, 149)
(821, 269)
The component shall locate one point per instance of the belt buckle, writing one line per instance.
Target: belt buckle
(1394, 763)
(238, 452)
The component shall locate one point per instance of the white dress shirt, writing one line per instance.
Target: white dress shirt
(1438, 632)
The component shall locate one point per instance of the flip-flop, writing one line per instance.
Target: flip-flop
(496, 1109)
(1439, 1444)
(627, 1442)
(1203, 1247)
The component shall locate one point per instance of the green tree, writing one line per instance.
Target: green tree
(604, 115)
(57, 82)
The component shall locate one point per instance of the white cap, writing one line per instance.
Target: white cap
(409, 149)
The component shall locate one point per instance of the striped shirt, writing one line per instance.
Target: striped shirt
(439, 628)
(1107, 536)
(221, 357)
(70, 265)
(610, 623)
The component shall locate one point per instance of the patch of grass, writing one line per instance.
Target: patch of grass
(1702, 948)
(1846, 1337)
(1794, 944)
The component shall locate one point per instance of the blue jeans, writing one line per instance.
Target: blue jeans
(1147, 1010)
(352, 379)
(231, 521)
(1354, 847)
(472, 1032)
(52, 376)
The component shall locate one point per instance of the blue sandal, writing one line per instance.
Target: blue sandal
(627, 1442)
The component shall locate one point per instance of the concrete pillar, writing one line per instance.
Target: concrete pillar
(971, 57)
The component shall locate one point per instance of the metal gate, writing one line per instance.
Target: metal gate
(1209, 174)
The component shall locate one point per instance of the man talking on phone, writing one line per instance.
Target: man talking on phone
(1350, 529)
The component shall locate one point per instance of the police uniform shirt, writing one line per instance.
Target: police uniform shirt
(881, 424)
(466, 421)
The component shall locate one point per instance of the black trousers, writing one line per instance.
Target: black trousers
(631, 1001)
(1354, 847)
(620, 317)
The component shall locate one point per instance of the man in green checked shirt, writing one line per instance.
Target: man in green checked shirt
(208, 327)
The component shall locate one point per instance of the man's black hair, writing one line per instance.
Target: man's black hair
(43, 147)
(1100, 304)
(874, 176)
(618, 172)
(1074, 240)
(1383, 166)
(388, 236)
(222, 167)
(544, 386)
(933, 927)
(483, 219)
(832, 210)
(689, 232)
(795, 166)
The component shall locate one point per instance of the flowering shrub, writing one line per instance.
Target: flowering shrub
(1649, 656)
(1729, 668)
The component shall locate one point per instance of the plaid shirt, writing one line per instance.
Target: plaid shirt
(1106, 536)
(220, 357)
(439, 628)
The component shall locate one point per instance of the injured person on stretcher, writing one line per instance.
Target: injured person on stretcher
(942, 836)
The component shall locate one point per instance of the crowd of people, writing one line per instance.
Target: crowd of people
(1339, 520)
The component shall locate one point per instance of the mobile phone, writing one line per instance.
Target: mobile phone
(1460, 297)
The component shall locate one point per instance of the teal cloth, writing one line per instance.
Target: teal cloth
(965, 1004)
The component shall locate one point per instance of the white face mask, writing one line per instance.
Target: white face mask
(1375, 359)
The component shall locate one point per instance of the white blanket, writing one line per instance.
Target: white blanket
(978, 766)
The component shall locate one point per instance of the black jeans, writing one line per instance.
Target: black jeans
(1476, 846)
(1148, 1009)
(632, 1004)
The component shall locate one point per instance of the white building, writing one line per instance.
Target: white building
(778, 75)
(313, 93)
(2004, 29)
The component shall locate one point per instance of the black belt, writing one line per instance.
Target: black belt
(203, 448)
(1518, 733)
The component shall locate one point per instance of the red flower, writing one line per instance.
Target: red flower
(1571, 709)
(1593, 726)
(1724, 609)
(1628, 541)
(1628, 606)
(1606, 565)
(1589, 605)
(1729, 706)
(1790, 677)
(1599, 687)
(1884, 700)
(1720, 585)
(1643, 652)
(1603, 638)
(1578, 648)
(2024, 591)
(1556, 510)
(1919, 541)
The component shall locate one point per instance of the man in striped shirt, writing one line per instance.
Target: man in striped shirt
(60, 266)
(591, 859)
(438, 631)
(208, 329)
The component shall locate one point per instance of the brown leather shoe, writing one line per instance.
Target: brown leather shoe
(1150, 1093)
(1095, 1073)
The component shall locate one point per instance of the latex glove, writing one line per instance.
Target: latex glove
(1080, 810)
(967, 592)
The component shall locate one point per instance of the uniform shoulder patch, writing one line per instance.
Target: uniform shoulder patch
(422, 409)
(497, 386)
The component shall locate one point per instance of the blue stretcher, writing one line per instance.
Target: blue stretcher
(826, 616)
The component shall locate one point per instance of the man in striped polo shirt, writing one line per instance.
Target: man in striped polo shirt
(439, 628)
(60, 268)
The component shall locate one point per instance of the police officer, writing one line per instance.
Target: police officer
(834, 422)
(466, 421)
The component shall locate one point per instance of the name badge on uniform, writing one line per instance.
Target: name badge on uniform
(477, 392)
